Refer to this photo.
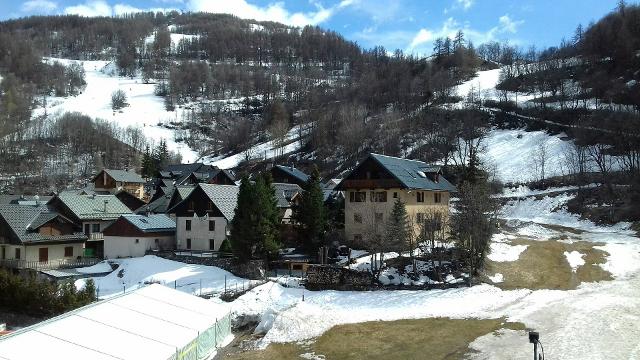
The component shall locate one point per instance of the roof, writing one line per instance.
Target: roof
(152, 322)
(284, 193)
(180, 172)
(294, 172)
(24, 199)
(224, 197)
(89, 207)
(413, 174)
(24, 220)
(184, 191)
(159, 205)
(123, 176)
(151, 223)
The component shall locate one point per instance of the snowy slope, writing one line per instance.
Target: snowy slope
(145, 110)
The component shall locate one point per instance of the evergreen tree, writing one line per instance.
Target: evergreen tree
(244, 224)
(148, 165)
(268, 216)
(397, 229)
(311, 215)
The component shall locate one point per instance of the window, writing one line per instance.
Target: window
(212, 244)
(395, 195)
(357, 196)
(437, 198)
(357, 238)
(212, 225)
(191, 205)
(420, 196)
(187, 225)
(17, 254)
(188, 243)
(68, 251)
(379, 217)
(357, 218)
(95, 228)
(380, 196)
(87, 229)
(137, 241)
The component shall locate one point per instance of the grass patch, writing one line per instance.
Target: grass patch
(440, 338)
(543, 265)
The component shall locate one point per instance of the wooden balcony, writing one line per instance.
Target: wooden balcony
(49, 265)
(358, 184)
(95, 236)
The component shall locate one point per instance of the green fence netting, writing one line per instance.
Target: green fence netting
(207, 341)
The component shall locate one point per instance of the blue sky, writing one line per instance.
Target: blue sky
(410, 25)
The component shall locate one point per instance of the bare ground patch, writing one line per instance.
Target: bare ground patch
(436, 338)
(543, 265)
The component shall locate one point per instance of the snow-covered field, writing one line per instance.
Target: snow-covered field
(134, 272)
(595, 321)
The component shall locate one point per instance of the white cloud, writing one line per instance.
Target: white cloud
(508, 25)
(465, 4)
(421, 37)
(272, 12)
(422, 40)
(39, 6)
(90, 9)
(121, 9)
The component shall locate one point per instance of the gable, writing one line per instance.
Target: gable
(197, 202)
(370, 175)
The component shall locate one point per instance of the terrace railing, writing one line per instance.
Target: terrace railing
(49, 265)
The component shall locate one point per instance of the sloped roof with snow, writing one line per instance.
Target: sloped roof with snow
(285, 192)
(153, 322)
(413, 174)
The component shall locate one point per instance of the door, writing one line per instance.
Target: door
(43, 254)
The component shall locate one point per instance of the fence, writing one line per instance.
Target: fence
(207, 342)
(49, 265)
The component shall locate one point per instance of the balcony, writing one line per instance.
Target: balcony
(49, 265)
(95, 236)
(370, 184)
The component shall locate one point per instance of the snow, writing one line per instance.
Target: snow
(145, 109)
(134, 272)
(501, 252)
(264, 151)
(101, 267)
(513, 158)
(575, 259)
(484, 83)
(524, 191)
(497, 278)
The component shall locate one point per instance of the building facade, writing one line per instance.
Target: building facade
(372, 188)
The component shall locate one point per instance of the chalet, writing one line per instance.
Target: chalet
(129, 200)
(202, 218)
(32, 236)
(115, 180)
(288, 175)
(185, 174)
(285, 195)
(163, 203)
(93, 213)
(373, 186)
(132, 235)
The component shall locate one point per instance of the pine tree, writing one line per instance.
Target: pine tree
(268, 215)
(244, 224)
(397, 229)
(311, 215)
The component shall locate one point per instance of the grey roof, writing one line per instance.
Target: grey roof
(89, 207)
(24, 220)
(184, 191)
(159, 205)
(224, 197)
(24, 199)
(414, 174)
(152, 223)
(294, 172)
(125, 176)
(284, 193)
(180, 172)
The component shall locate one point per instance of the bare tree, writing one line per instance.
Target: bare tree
(540, 156)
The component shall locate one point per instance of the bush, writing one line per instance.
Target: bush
(41, 298)
(226, 246)
(118, 100)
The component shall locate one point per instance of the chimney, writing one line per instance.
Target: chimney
(147, 211)
(105, 205)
